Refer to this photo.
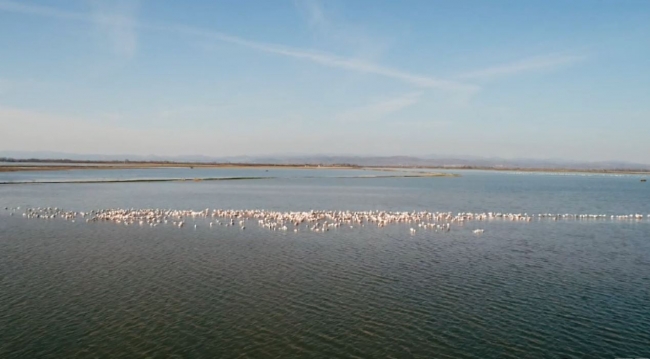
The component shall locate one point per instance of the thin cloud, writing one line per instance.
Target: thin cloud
(320, 58)
(16, 7)
(531, 64)
(331, 29)
(330, 60)
(380, 109)
(314, 13)
(118, 21)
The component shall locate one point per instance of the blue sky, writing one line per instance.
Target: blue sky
(513, 79)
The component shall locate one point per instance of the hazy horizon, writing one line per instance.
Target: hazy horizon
(362, 160)
(536, 80)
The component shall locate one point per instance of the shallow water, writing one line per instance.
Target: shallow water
(180, 173)
(566, 289)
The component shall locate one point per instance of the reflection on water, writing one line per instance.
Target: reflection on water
(540, 289)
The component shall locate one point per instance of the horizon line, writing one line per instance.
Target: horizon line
(26, 156)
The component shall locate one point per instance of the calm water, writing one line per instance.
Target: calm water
(181, 173)
(566, 289)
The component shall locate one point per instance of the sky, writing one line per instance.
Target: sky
(512, 79)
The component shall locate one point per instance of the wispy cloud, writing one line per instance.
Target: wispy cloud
(531, 64)
(46, 11)
(117, 19)
(321, 58)
(332, 30)
(380, 109)
(313, 11)
(331, 60)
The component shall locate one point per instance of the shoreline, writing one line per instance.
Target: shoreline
(138, 180)
(210, 179)
(72, 166)
(152, 165)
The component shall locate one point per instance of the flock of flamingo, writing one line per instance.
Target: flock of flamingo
(315, 221)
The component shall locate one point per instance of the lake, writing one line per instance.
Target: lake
(542, 288)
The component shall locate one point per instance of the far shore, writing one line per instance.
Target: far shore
(82, 165)
(152, 165)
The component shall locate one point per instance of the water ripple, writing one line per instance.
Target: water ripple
(543, 291)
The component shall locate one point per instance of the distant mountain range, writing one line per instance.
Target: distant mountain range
(411, 161)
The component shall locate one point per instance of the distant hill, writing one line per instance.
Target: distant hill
(410, 161)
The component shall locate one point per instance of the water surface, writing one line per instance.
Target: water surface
(566, 289)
